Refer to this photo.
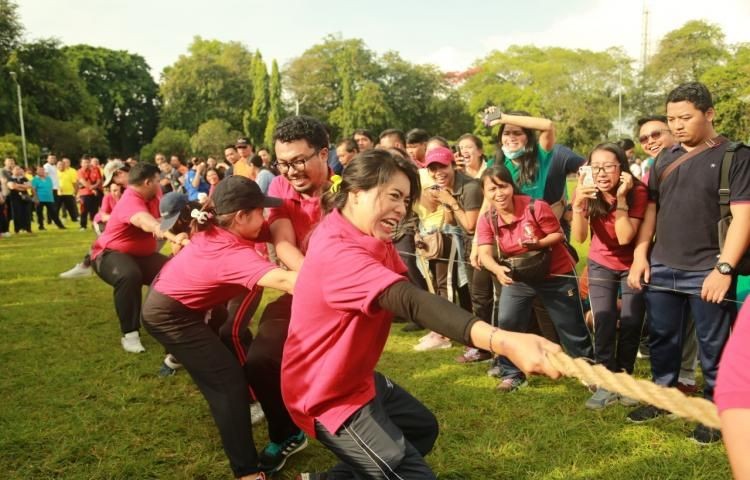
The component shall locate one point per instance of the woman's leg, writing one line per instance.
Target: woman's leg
(632, 314)
(560, 297)
(603, 290)
(514, 314)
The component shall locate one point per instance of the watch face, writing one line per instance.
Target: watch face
(724, 268)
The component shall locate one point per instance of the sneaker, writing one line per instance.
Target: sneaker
(79, 271)
(81, 229)
(495, 371)
(645, 414)
(412, 327)
(311, 476)
(472, 355)
(433, 342)
(131, 342)
(166, 370)
(687, 388)
(274, 456)
(6, 234)
(601, 399)
(703, 435)
(256, 413)
(511, 384)
(628, 401)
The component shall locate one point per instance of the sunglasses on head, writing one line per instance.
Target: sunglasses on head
(655, 135)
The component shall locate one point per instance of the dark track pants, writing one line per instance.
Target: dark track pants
(386, 439)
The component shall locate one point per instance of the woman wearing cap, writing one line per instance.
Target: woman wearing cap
(340, 322)
(219, 263)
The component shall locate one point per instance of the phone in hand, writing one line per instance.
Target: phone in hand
(489, 117)
(587, 174)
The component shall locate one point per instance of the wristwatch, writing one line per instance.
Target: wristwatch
(725, 269)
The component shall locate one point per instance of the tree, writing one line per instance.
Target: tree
(127, 95)
(730, 88)
(274, 105)
(685, 54)
(211, 138)
(257, 117)
(12, 145)
(371, 108)
(167, 141)
(10, 37)
(211, 81)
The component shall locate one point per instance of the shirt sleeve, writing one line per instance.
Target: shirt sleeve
(127, 207)
(640, 201)
(739, 176)
(276, 189)
(245, 267)
(358, 285)
(484, 233)
(472, 196)
(546, 218)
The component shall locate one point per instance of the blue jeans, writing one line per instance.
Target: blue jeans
(615, 351)
(667, 312)
(560, 297)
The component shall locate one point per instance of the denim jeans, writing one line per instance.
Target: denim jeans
(616, 352)
(560, 297)
(668, 310)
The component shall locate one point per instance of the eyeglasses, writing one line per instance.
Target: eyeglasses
(655, 135)
(609, 168)
(299, 165)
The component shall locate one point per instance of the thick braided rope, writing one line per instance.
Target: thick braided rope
(671, 399)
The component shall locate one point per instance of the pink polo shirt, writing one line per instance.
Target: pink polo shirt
(337, 331)
(216, 266)
(304, 213)
(733, 382)
(108, 204)
(510, 234)
(122, 236)
(605, 249)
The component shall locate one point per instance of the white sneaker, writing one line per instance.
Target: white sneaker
(131, 342)
(78, 271)
(6, 234)
(256, 413)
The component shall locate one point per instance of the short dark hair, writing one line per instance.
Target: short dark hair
(256, 161)
(626, 143)
(693, 92)
(232, 146)
(393, 131)
(301, 127)
(365, 133)
(652, 118)
(142, 171)
(349, 144)
(441, 140)
(417, 135)
(371, 169)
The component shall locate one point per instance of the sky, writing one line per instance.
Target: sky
(451, 35)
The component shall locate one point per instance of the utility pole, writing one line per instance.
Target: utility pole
(644, 37)
(20, 116)
(619, 105)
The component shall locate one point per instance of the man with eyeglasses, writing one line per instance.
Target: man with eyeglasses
(301, 145)
(654, 136)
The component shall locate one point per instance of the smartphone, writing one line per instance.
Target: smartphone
(587, 174)
(489, 117)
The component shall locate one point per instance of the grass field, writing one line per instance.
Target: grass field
(75, 406)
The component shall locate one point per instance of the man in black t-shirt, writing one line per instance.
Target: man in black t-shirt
(686, 272)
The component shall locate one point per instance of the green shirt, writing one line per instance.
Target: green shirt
(536, 188)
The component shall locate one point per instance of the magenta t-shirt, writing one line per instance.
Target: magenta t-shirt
(122, 236)
(108, 204)
(733, 382)
(337, 331)
(304, 213)
(216, 266)
(543, 223)
(605, 249)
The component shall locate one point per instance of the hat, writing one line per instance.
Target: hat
(240, 193)
(111, 168)
(441, 155)
(170, 207)
(241, 142)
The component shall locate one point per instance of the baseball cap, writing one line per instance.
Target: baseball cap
(441, 155)
(170, 207)
(240, 193)
(111, 168)
(241, 142)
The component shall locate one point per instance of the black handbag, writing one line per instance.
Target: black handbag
(529, 267)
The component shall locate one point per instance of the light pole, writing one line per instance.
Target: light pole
(20, 116)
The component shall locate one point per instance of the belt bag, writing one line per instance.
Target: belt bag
(529, 267)
(429, 245)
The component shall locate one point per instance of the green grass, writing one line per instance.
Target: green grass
(75, 406)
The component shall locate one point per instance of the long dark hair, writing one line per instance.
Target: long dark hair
(528, 166)
(476, 140)
(371, 169)
(599, 207)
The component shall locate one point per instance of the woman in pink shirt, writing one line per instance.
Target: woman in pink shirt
(108, 204)
(350, 286)
(218, 264)
(612, 209)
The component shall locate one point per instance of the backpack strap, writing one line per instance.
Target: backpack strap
(726, 165)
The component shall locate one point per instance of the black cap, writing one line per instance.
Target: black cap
(170, 207)
(241, 142)
(240, 193)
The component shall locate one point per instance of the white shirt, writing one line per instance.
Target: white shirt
(52, 173)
